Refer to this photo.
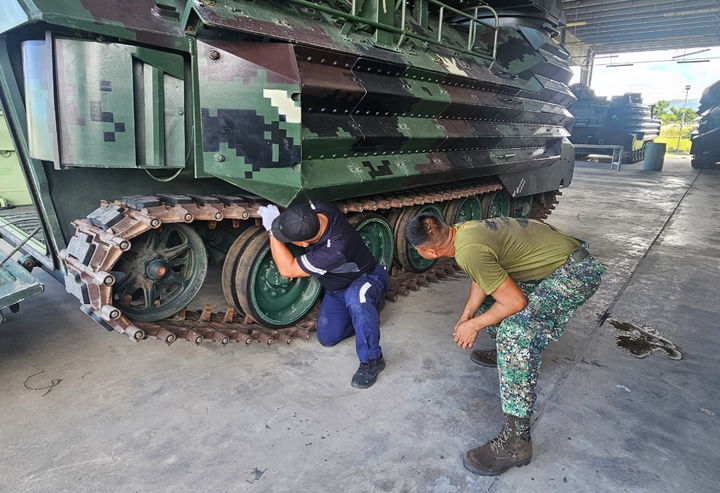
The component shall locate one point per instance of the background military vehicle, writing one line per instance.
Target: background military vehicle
(706, 140)
(180, 118)
(13, 191)
(623, 120)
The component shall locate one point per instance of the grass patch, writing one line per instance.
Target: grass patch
(669, 135)
(672, 144)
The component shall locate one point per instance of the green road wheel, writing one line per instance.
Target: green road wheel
(271, 299)
(161, 273)
(377, 235)
(461, 210)
(496, 204)
(230, 264)
(522, 206)
(406, 255)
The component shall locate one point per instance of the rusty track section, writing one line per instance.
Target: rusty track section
(542, 209)
(401, 283)
(426, 196)
(223, 327)
(201, 326)
(106, 234)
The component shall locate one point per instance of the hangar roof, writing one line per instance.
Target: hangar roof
(618, 26)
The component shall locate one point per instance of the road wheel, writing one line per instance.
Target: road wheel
(406, 255)
(271, 299)
(461, 210)
(230, 264)
(496, 204)
(377, 235)
(522, 206)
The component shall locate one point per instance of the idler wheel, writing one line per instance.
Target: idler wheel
(161, 273)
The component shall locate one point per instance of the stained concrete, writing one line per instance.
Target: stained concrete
(146, 417)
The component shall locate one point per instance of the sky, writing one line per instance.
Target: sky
(660, 80)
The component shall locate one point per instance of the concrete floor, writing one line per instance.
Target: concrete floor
(146, 417)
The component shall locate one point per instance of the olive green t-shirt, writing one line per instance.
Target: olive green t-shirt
(490, 250)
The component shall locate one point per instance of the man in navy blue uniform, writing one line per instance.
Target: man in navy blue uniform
(354, 283)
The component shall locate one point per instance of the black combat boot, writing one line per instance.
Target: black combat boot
(484, 357)
(512, 447)
(368, 372)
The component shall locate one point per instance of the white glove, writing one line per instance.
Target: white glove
(268, 214)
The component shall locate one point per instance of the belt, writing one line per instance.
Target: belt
(578, 254)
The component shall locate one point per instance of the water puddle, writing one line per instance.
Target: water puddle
(642, 340)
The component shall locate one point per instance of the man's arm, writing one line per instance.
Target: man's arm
(285, 261)
(509, 300)
(475, 299)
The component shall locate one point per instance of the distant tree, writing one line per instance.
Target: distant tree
(660, 108)
(668, 117)
(668, 114)
(690, 114)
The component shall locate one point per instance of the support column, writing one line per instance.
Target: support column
(586, 69)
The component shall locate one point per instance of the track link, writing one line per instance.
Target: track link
(107, 233)
(223, 327)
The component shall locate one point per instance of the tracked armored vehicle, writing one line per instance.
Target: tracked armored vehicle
(706, 141)
(622, 121)
(151, 131)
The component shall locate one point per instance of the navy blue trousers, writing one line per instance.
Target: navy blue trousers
(354, 310)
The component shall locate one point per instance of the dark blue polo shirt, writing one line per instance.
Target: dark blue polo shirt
(340, 256)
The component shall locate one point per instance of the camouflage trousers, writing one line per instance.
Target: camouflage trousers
(521, 338)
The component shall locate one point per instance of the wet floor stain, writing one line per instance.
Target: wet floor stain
(642, 340)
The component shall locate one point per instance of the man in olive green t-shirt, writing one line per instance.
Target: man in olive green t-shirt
(527, 280)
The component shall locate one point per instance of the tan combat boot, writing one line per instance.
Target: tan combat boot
(512, 447)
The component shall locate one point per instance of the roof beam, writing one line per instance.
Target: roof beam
(639, 14)
(619, 26)
(613, 50)
(654, 32)
(580, 7)
(651, 25)
(624, 46)
(668, 32)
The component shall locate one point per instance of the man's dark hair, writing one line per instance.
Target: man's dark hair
(424, 228)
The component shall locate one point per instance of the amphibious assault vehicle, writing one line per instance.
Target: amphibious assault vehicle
(622, 121)
(706, 140)
(150, 132)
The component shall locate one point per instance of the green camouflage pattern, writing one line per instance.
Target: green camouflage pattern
(277, 98)
(521, 338)
(289, 99)
(378, 120)
(250, 115)
(156, 25)
(129, 114)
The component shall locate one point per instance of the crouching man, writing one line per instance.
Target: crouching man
(527, 279)
(354, 283)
